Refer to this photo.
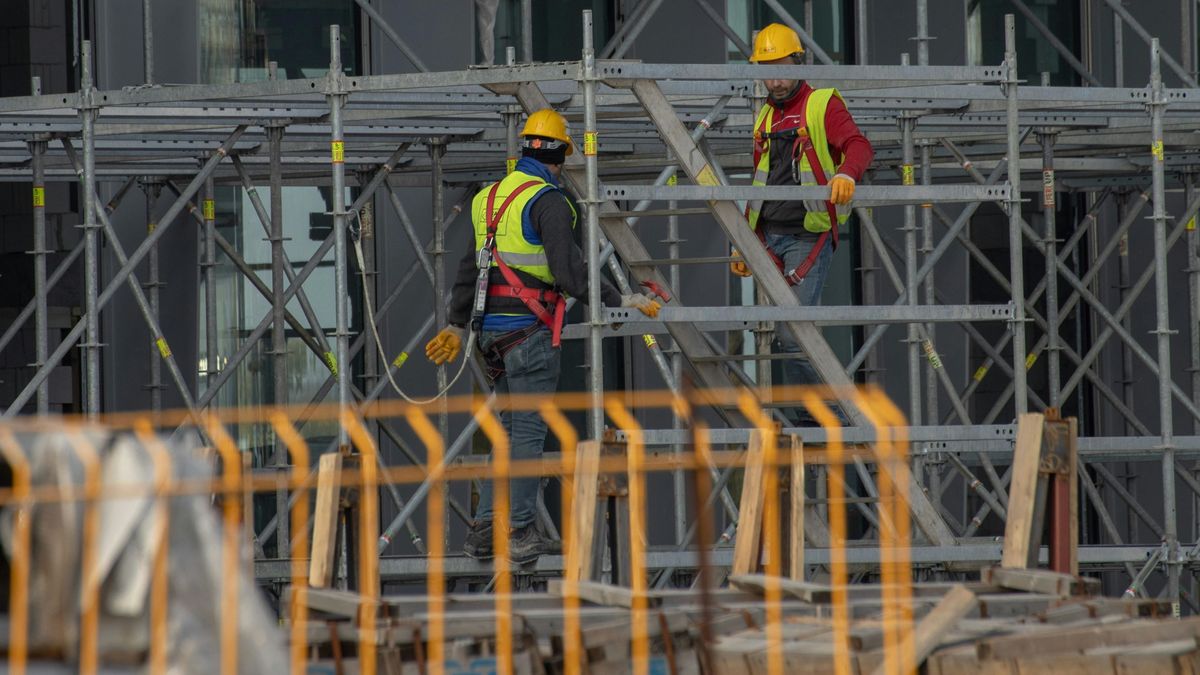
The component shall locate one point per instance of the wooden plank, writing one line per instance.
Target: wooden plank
(583, 512)
(1073, 481)
(325, 518)
(1018, 549)
(1078, 640)
(929, 632)
(757, 584)
(1040, 581)
(797, 517)
(602, 594)
(745, 548)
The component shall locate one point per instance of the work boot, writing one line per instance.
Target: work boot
(526, 544)
(479, 542)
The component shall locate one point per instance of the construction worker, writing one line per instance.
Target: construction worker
(802, 136)
(525, 226)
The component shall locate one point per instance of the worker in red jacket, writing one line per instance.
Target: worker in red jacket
(802, 136)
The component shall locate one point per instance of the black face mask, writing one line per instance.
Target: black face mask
(545, 156)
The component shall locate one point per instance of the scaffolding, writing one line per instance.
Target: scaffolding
(657, 138)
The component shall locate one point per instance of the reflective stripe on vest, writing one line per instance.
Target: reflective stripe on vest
(817, 218)
(517, 252)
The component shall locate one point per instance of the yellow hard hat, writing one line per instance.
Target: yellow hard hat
(547, 123)
(775, 42)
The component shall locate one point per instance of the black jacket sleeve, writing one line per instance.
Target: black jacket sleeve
(462, 294)
(551, 219)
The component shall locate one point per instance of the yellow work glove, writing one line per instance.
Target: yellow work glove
(446, 346)
(738, 266)
(841, 189)
(642, 303)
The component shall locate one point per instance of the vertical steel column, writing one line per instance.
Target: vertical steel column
(1015, 243)
(1187, 35)
(1162, 330)
(37, 153)
(808, 26)
(923, 32)
(527, 31)
(862, 54)
(1193, 270)
(91, 260)
(278, 327)
(1118, 50)
(511, 117)
(336, 96)
(907, 124)
(678, 479)
(437, 150)
(147, 42)
(152, 284)
(212, 344)
(592, 240)
(1050, 229)
(930, 340)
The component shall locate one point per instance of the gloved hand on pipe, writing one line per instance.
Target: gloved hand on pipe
(642, 303)
(738, 266)
(841, 189)
(446, 345)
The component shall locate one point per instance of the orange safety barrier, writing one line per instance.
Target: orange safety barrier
(366, 474)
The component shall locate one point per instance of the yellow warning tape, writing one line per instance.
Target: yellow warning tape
(210, 210)
(163, 348)
(707, 176)
(510, 164)
(1191, 224)
(39, 198)
(649, 340)
(1030, 360)
(590, 143)
(400, 360)
(934, 360)
(906, 174)
(331, 361)
(980, 373)
(337, 151)
(1157, 150)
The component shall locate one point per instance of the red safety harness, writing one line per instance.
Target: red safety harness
(801, 143)
(547, 305)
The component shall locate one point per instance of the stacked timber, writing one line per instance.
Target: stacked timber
(1010, 621)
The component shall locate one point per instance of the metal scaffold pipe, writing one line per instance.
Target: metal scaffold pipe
(279, 351)
(592, 239)
(337, 100)
(1157, 106)
(37, 152)
(91, 253)
(1015, 243)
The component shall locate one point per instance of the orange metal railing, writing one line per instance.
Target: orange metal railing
(888, 453)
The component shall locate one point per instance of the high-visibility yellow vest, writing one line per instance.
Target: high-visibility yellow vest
(817, 218)
(516, 251)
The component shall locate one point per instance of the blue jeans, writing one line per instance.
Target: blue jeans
(794, 250)
(531, 367)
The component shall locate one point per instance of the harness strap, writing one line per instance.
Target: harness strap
(801, 143)
(531, 297)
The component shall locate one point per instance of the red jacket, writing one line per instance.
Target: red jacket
(845, 139)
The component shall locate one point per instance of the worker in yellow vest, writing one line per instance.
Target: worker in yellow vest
(802, 136)
(512, 289)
